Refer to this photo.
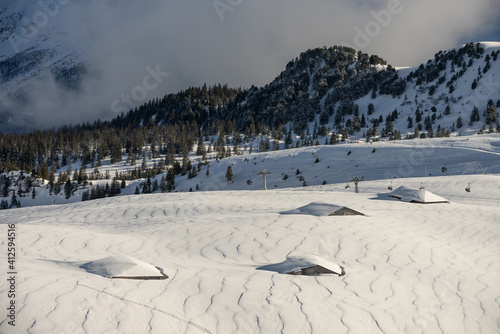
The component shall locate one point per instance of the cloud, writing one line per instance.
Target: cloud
(425, 27)
(239, 42)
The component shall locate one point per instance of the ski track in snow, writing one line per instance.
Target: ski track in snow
(409, 268)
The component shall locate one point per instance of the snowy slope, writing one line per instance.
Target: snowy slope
(409, 268)
(38, 34)
(36, 43)
(400, 159)
(473, 159)
(338, 81)
(461, 101)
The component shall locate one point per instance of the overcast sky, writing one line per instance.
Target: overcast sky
(245, 42)
(248, 42)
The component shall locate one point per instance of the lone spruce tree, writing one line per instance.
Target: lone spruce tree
(68, 188)
(229, 174)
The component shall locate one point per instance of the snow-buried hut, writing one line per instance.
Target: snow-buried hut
(305, 265)
(420, 196)
(324, 209)
(124, 267)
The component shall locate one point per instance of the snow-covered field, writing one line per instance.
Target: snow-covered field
(409, 268)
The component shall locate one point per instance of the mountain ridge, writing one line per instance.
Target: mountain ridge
(361, 93)
(339, 87)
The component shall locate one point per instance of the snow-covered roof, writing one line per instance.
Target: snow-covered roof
(122, 266)
(296, 263)
(319, 209)
(417, 196)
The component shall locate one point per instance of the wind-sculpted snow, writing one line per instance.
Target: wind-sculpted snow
(410, 268)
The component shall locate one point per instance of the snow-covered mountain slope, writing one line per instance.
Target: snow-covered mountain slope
(409, 268)
(35, 44)
(34, 39)
(336, 86)
(452, 88)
